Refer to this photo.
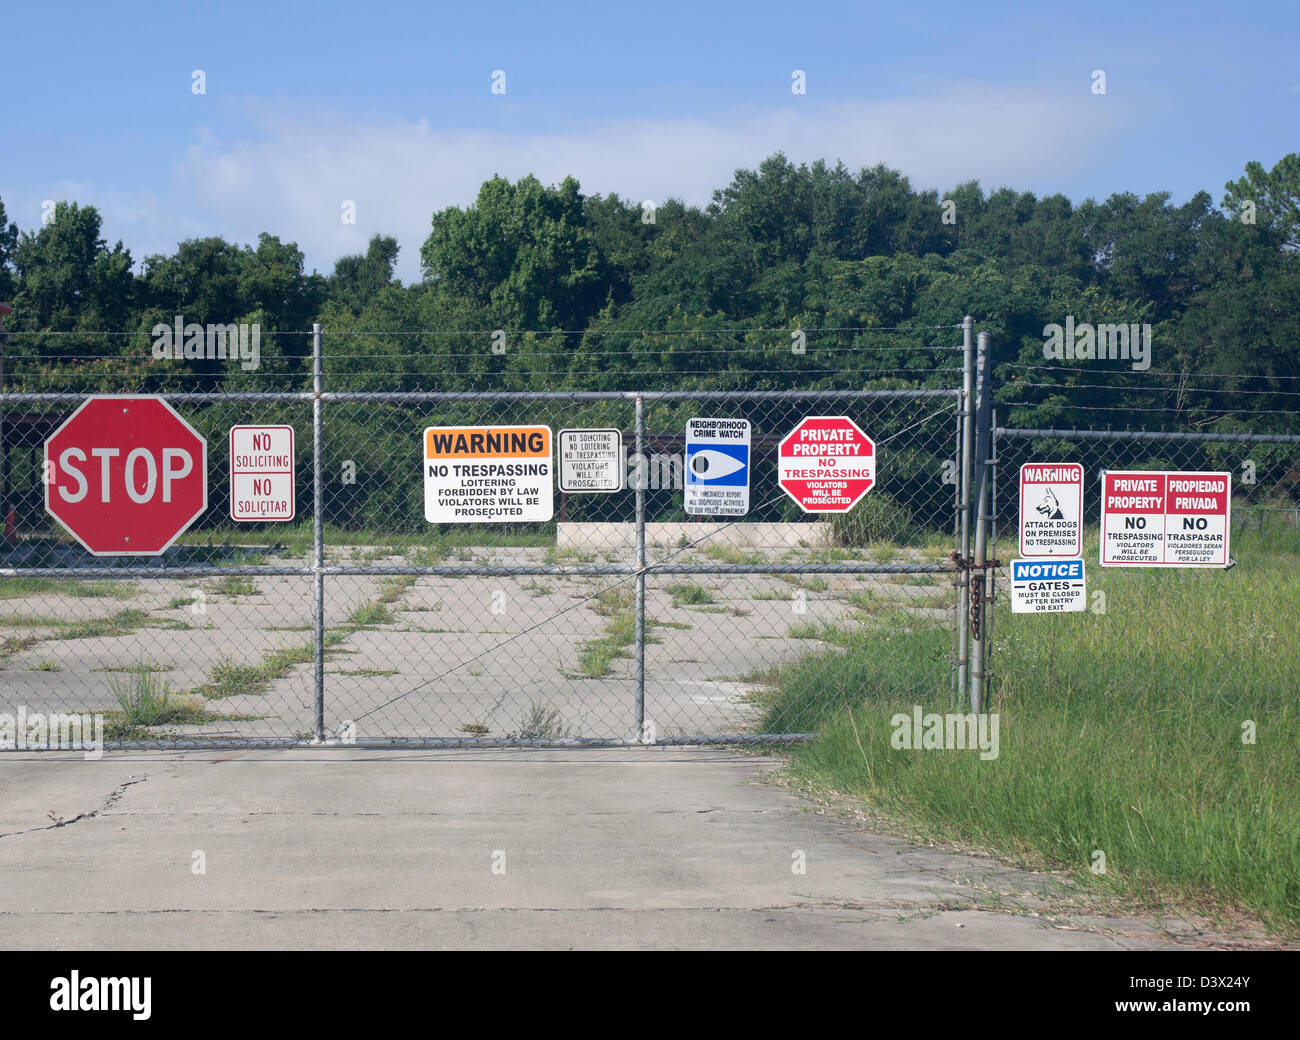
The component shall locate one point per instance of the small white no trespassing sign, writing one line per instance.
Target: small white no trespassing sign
(592, 461)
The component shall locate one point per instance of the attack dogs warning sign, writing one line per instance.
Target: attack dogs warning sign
(487, 474)
(1051, 509)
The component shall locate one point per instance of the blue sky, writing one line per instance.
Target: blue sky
(390, 106)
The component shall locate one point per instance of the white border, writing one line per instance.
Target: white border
(1020, 544)
(293, 475)
(875, 471)
(622, 460)
(127, 397)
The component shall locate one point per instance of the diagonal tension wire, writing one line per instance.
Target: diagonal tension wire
(595, 595)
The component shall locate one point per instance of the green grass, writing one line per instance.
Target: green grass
(46, 666)
(232, 585)
(596, 658)
(370, 614)
(14, 588)
(145, 701)
(140, 668)
(728, 554)
(1120, 732)
(811, 582)
(119, 623)
(685, 594)
(542, 722)
(230, 678)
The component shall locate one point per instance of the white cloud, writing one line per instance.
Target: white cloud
(293, 179)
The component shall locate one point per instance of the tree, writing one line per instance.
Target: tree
(523, 251)
(69, 280)
(1275, 195)
(8, 243)
(357, 279)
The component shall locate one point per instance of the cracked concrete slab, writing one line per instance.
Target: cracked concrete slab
(656, 848)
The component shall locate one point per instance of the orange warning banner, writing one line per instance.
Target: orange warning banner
(487, 442)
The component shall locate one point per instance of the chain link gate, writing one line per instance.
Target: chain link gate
(363, 625)
(1233, 622)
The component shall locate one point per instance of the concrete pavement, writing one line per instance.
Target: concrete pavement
(621, 849)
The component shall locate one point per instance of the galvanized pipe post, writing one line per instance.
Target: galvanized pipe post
(965, 477)
(641, 476)
(979, 615)
(318, 531)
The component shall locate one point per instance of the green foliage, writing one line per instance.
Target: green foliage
(876, 518)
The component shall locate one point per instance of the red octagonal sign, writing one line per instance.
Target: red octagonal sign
(827, 463)
(126, 475)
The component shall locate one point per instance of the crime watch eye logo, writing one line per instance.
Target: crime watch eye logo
(712, 464)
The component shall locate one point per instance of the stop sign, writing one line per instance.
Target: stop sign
(826, 464)
(126, 475)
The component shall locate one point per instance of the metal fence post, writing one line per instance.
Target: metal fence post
(318, 531)
(639, 714)
(964, 547)
(980, 579)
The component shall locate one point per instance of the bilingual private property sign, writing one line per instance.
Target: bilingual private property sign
(826, 464)
(592, 461)
(261, 473)
(717, 467)
(487, 474)
(1164, 518)
(1051, 509)
(1047, 587)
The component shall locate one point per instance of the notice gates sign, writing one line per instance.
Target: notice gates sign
(1165, 519)
(1047, 587)
(487, 474)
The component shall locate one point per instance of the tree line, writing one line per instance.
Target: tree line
(595, 292)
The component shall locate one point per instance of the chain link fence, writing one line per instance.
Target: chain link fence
(1213, 634)
(620, 621)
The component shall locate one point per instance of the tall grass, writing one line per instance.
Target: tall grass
(1120, 732)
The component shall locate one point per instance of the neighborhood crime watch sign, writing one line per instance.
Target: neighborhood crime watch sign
(125, 475)
(826, 464)
(1164, 518)
(717, 467)
(261, 473)
(1051, 509)
(487, 474)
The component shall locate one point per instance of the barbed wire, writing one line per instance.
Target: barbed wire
(1146, 372)
(1157, 389)
(728, 331)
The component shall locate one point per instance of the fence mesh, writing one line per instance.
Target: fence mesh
(1211, 635)
(480, 633)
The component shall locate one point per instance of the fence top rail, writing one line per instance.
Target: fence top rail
(416, 396)
(1148, 435)
(76, 396)
(626, 395)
